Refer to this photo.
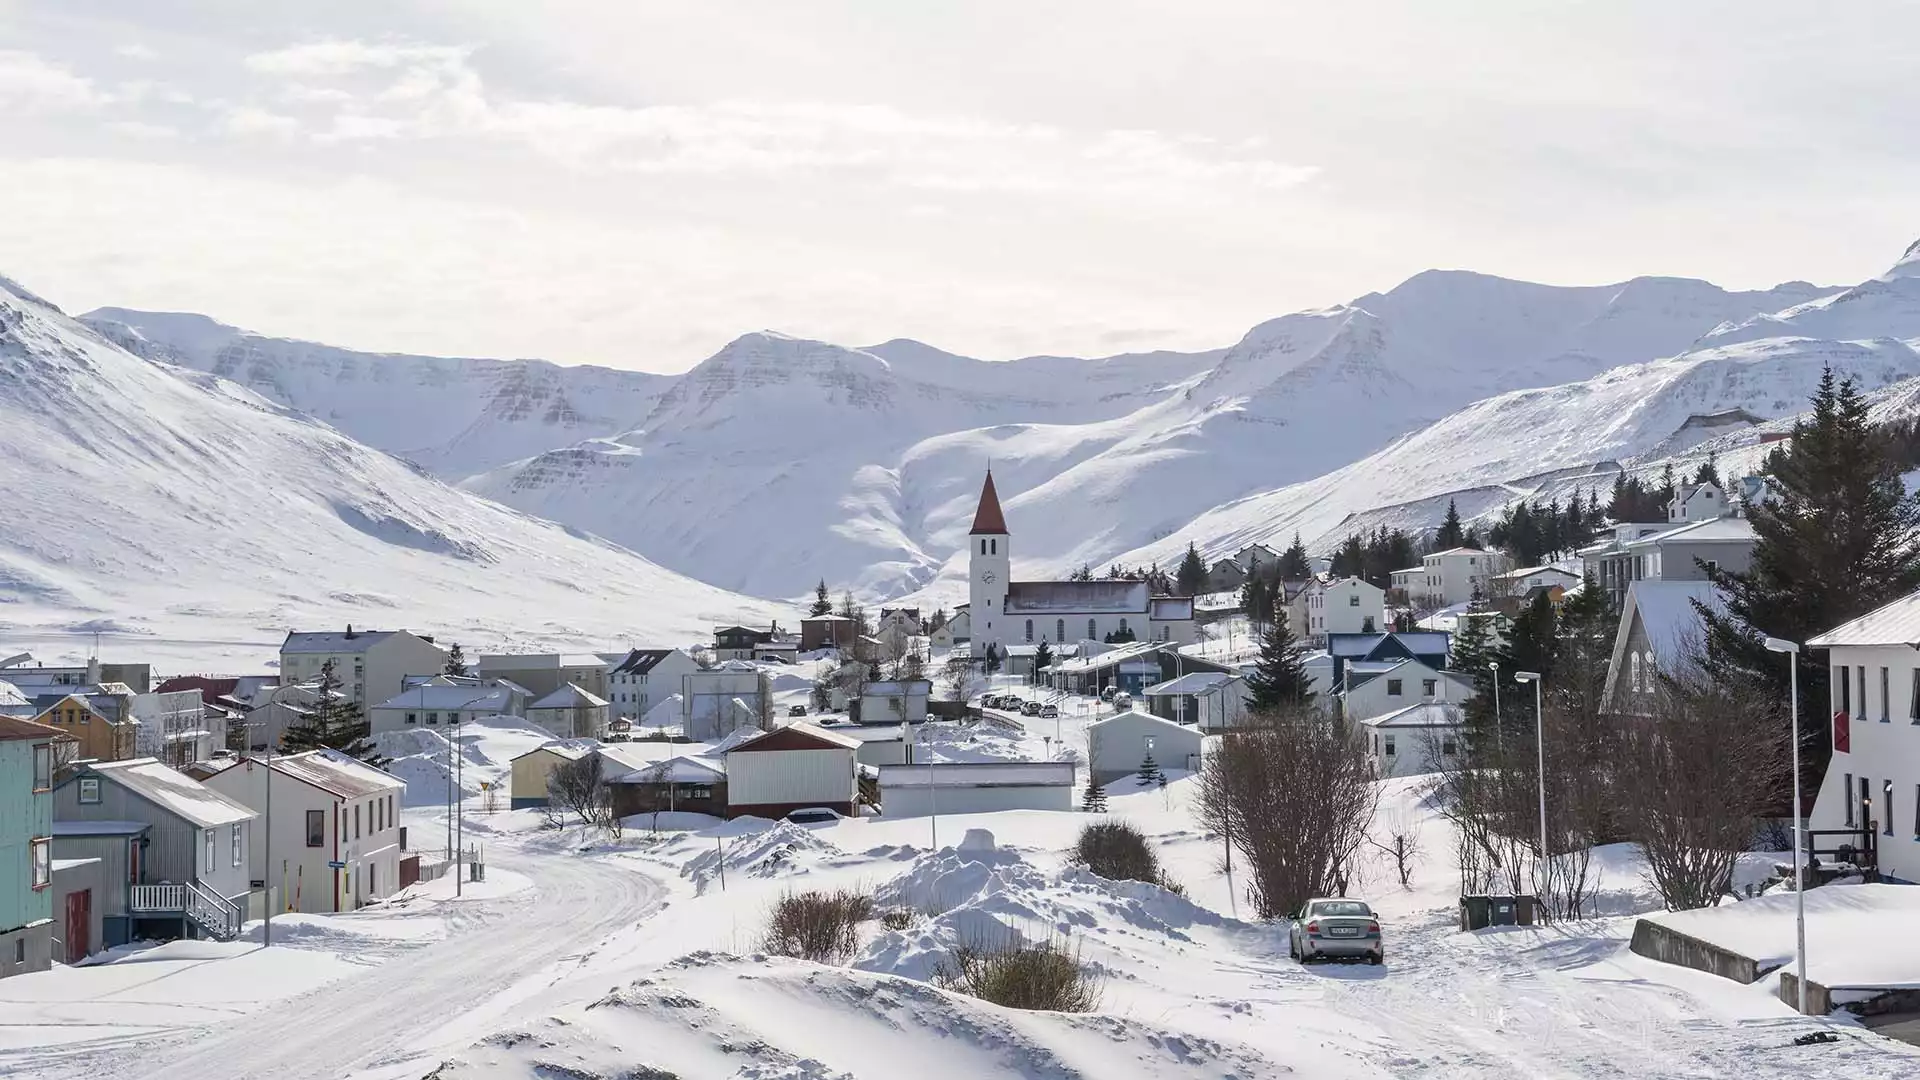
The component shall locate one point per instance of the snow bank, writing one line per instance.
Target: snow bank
(771, 849)
(1857, 935)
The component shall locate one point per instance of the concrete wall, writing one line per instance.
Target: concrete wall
(1658, 942)
(39, 949)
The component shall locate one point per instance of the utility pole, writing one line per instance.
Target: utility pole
(1540, 746)
(1792, 649)
(1499, 731)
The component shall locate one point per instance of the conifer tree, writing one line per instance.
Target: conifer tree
(1093, 800)
(1150, 771)
(1294, 563)
(1042, 658)
(1709, 471)
(1191, 578)
(334, 722)
(1280, 676)
(821, 605)
(1451, 535)
(1471, 651)
(1839, 537)
(456, 661)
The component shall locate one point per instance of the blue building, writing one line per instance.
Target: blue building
(26, 845)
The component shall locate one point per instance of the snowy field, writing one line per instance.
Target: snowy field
(585, 956)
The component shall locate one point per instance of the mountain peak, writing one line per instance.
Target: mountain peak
(1908, 266)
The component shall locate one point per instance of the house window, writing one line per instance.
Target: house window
(1860, 687)
(236, 845)
(1886, 803)
(1354, 600)
(1123, 623)
(1060, 630)
(356, 821)
(316, 828)
(90, 791)
(43, 768)
(1913, 703)
(1029, 629)
(42, 850)
(1846, 786)
(1866, 803)
(1449, 747)
(433, 718)
(1844, 689)
(1090, 632)
(207, 837)
(413, 718)
(993, 547)
(1389, 745)
(1427, 686)
(1393, 687)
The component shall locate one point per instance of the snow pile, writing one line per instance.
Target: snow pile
(1856, 934)
(759, 848)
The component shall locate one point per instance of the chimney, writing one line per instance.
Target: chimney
(350, 634)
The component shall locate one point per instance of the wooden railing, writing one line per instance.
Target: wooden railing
(219, 917)
(167, 898)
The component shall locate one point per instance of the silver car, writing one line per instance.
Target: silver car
(1335, 928)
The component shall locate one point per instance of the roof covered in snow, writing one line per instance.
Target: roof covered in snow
(1425, 714)
(336, 773)
(173, 791)
(334, 641)
(1725, 530)
(1897, 623)
(569, 696)
(571, 749)
(979, 774)
(493, 698)
(1190, 683)
(11, 695)
(676, 770)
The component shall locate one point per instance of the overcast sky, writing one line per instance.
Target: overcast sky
(635, 183)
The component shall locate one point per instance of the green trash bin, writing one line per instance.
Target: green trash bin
(1475, 912)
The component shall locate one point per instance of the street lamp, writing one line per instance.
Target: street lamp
(1792, 649)
(933, 806)
(1540, 745)
(1499, 733)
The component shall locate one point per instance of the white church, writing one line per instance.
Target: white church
(1005, 612)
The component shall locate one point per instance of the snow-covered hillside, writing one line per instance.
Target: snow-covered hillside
(161, 501)
(455, 416)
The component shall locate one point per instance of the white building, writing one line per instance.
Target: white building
(173, 727)
(1873, 781)
(975, 787)
(720, 700)
(961, 624)
(1221, 706)
(797, 767)
(372, 665)
(327, 808)
(1449, 577)
(543, 673)
(1346, 606)
(645, 677)
(1384, 686)
(1005, 612)
(1179, 699)
(570, 713)
(901, 701)
(444, 703)
(1698, 502)
(1118, 745)
(1518, 582)
(1417, 739)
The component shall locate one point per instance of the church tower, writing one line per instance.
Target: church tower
(989, 566)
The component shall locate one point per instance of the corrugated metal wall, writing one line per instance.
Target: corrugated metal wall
(916, 801)
(790, 776)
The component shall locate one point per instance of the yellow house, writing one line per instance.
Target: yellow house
(100, 737)
(530, 770)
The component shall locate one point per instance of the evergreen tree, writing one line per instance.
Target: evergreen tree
(1094, 799)
(1085, 573)
(1451, 535)
(1351, 559)
(1280, 676)
(1120, 636)
(821, 605)
(1191, 578)
(1530, 646)
(333, 723)
(1471, 651)
(1042, 658)
(1256, 597)
(1667, 486)
(1294, 563)
(1839, 538)
(1150, 772)
(992, 660)
(456, 661)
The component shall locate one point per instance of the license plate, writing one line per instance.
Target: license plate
(1343, 931)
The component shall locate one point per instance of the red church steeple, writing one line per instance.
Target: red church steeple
(987, 520)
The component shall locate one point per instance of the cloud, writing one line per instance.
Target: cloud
(133, 50)
(140, 129)
(339, 57)
(245, 120)
(31, 84)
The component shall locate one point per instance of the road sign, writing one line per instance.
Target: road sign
(336, 864)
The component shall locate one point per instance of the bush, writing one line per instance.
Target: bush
(820, 926)
(897, 918)
(1045, 976)
(1117, 851)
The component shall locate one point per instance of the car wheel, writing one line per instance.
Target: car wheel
(1375, 958)
(1293, 950)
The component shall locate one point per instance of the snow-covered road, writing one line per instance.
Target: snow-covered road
(502, 955)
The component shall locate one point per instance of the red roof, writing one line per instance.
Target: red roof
(15, 728)
(988, 519)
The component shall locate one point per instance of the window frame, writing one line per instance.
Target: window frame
(88, 784)
(1394, 687)
(239, 855)
(40, 862)
(316, 838)
(42, 767)
(1886, 806)
(1846, 789)
(207, 841)
(1886, 691)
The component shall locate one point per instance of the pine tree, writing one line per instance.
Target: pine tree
(1839, 538)
(821, 605)
(1351, 559)
(1294, 563)
(1150, 772)
(1709, 472)
(1451, 535)
(1085, 573)
(1256, 598)
(1471, 651)
(1280, 677)
(1530, 646)
(1042, 658)
(1667, 486)
(456, 661)
(1191, 578)
(1094, 799)
(333, 723)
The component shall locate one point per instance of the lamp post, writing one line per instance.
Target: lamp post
(933, 804)
(1540, 745)
(1499, 731)
(1792, 649)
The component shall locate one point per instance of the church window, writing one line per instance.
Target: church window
(995, 545)
(1029, 629)
(1090, 632)
(1123, 623)
(1060, 631)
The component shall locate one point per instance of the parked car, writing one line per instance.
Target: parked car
(1049, 711)
(1031, 708)
(1122, 701)
(1331, 928)
(1107, 692)
(811, 814)
(797, 710)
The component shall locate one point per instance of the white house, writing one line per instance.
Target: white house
(895, 702)
(961, 625)
(1518, 582)
(371, 664)
(1178, 699)
(543, 673)
(1347, 606)
(1452, 576)
(570, 713)
(1118, 745)
(327, 808)
(173, 727)
(1222, 705)
(975, 787)
(796, 767)
(1873, 781)
(897, 627)
(645, 677)
(1422, 738)
(1698, 502)
(1383, 686)
(1660, 631)
(1005, 612)
(437, 703)
(720, 700)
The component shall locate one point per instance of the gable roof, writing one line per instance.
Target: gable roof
(1723, 530)
(46, 703)
(1458, 551)
(569, 696)
(332, 641)
(1424, 714)
(1193, 682)
(1137, 717)
(175, 792)
(12, 727)
(1897, 623)
(800, 730)
(457, 696)
(987, 517)
(1414, 642)
(978, 774)
(1665, 613)
(572, 750)
(335, 773)
(680, 769)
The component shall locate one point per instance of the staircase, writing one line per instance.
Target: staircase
(214, 915)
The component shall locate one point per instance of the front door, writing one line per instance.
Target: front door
(79, 922)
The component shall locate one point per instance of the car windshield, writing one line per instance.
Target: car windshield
(1342, 907)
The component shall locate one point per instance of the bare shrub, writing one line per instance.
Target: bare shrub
(1293, 792)
(898, 918)
(1700, 770)
(1116, 851)
(1402, 843)
(1043, 976)
(820, 926)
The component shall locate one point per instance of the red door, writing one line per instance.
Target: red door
(79, 921)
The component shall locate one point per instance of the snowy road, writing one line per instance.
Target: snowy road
(506, 954)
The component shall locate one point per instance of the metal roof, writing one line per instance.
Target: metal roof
(978, 774)
(173, 791)
(1425, 714)
(436, 696)
(100, 828)
(336, 773)
(1076, 597)
(1191, 683)
(332, 641)
(1897, 623)
(569, 696)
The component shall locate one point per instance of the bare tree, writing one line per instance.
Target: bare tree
(579, 786)
(703, 657)
(960, 677)
(1699, 771)
(1401, 844)
(1295, 795)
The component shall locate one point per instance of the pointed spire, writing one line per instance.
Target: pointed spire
(988, 519)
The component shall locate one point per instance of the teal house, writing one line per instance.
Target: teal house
(26, 845)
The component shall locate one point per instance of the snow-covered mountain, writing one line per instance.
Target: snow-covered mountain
(454, 416)
(152, 499)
